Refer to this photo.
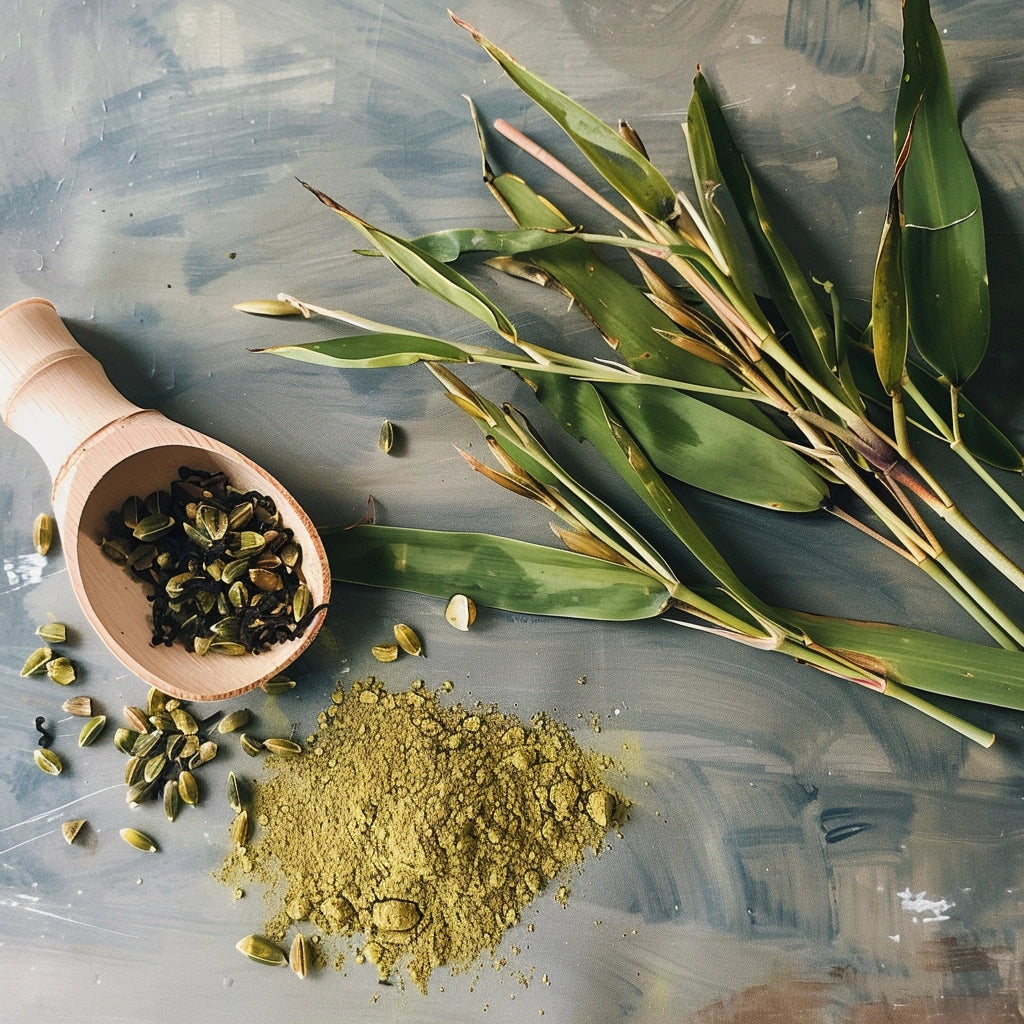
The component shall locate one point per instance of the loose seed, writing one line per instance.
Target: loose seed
(61, 671)
(386, 441)
(188, 788)
(48, 760)
(172, 799)
(408, 640)
(124, 739)
(282, 747)
(163, 722)
(156, 701)
(133, 837)
(42, 533)
(154, 767)
(236, 720)
(133, 770)
(145, 743)
(461, 612)
(136, 718)
(262, 950)
(71, 829)
(185, 722)
(385, 652)
(153, 527)
(298, 958)
(45, 736)
(138, 792)
(91, 730)
(53, 632)
(240, 828)
(237, 792)
(278, 685)
(252, 747)
(81, 707)
(36, 661)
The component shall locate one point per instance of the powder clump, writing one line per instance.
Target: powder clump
(425, 829)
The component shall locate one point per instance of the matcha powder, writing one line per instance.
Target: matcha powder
(422, 829)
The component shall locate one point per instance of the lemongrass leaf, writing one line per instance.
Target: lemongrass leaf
(495, 572)
(787, 286)
(889, 326)
(425, 271)
(448, 246)
(633, 176)
(944, 237)
(924, 660)
(371, 351)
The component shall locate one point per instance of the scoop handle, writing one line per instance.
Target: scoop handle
(52, 392)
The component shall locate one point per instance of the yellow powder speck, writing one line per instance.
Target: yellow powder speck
(422, 832)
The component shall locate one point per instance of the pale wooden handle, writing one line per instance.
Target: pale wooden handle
(52, 392)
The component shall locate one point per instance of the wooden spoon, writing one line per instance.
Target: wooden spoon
(100, 449)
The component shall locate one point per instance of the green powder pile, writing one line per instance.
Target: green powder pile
(421, 831)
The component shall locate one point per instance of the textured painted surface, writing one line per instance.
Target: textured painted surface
(798, 851)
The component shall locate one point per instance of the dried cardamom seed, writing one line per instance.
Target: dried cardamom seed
(154, 767)
(153, 527)
(163, 722)
(91, 730)
(240, 828)
(36, 661)
(252, 747)
(133, 770)
(277, 685)
(262, 950)
(408, 640)
(42, 533)
(48, 760)
(117, 549)
(145, 743)
(238, 719)
(136, 718)
(385, 652)
(53, 632)
(138, 792)
(188, 788)
(282, 747)
(156, 701)
(141, 841)
(124, 739)
(80, 707)
(61, 671)
(71, 829)
(298, 957)
(237, 791)
(172, 799)
(461, 612)
(386, 440)
(185, 722)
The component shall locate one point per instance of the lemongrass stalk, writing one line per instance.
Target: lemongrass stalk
(952, 437)
(982, 737)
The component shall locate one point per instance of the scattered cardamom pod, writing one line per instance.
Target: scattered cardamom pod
(236, 720)
(53, 632)
(80, 707)
(252, 747)
(61, 671)
(240, 828)
(36, 661)
(237, 792)
(277, 685)
(141, 841)
(136, 719)
(461, 612)
(385, 652)
(298, 958)
(48, 760)
(172, 799)
(188, 788)
(262, 950)
(408, 640)
(42, 533)
(282, 747)
(386, 441)
(71, 829)
(91, 730)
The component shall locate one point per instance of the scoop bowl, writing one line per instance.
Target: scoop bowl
(100, 448)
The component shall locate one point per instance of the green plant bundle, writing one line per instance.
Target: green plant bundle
(705, 388)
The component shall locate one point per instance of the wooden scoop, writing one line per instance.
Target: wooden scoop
(100, 449)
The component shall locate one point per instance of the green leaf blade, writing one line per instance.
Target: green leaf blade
(372, 351)
(624, 168)
(496, 572)
(944, 246)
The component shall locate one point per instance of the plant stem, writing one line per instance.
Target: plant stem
(971, 732)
